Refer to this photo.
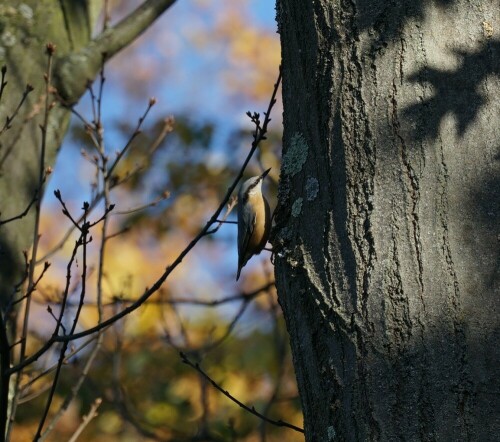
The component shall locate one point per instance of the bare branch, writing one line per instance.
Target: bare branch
(34, 286)
(166, 129)
(216, 302)
(54, 366)
(4, 376)
(278, 423)
(75, 69)
(82, 241)
(86, 420)
(74, 390)
(118, 233)
(230, 206)
(24, 212)
(9, 120)
(3, 83)
(142, 207)
(136, 132)
(281, 347)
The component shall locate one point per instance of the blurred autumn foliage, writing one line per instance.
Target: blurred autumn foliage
(208, 62)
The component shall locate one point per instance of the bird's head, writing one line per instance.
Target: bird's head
(252, 185)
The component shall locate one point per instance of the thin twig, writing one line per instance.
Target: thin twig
(4, 376)
(34, 286)
(178, 300)
(18, 286)
(118, 233)
(230, 206)
(280, 353)
(252, 410)
(92, 101)
(119, 397)
(167, 128)
(82, 241)
(29, 397)
(66, 212)
(50, 49)
(142, 207)
(209, 346)
(14, 139)
(25, 211)
(74, 390)
(86, 420)
(84, 229)
(8, 120)
(54, 366)
(136, 132)
(44, 128)
(97, 132)
(3, 83)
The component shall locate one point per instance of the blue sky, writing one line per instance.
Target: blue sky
(193, 87)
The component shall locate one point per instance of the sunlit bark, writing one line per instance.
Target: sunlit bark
(27, 27)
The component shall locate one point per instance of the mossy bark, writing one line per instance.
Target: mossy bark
(388, 274)
(25, 29)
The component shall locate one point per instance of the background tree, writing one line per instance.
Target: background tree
(387, 228)
(77, 61)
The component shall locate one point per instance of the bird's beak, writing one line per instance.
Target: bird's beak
(265, 173)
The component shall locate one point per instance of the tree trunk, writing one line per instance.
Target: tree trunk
(25, 28)
(386, 237)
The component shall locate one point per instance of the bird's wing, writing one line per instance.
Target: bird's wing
(246, 225)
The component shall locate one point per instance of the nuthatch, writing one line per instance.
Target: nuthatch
(254, 220)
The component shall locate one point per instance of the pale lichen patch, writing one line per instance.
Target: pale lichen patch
(8, 39)
(296, 155)
(25, 11)
(312, 188)
(331, 433)
(297, 207)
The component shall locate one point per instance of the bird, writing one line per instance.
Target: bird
(254, 220)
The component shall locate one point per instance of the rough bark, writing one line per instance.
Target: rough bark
(386, 242)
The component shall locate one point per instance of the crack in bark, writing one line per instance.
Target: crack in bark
(329, 257)
(464, 383)
(322, 294)
(400, 314)
(412, 184)
(67, 26)
(359, 155)
(359, 162)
